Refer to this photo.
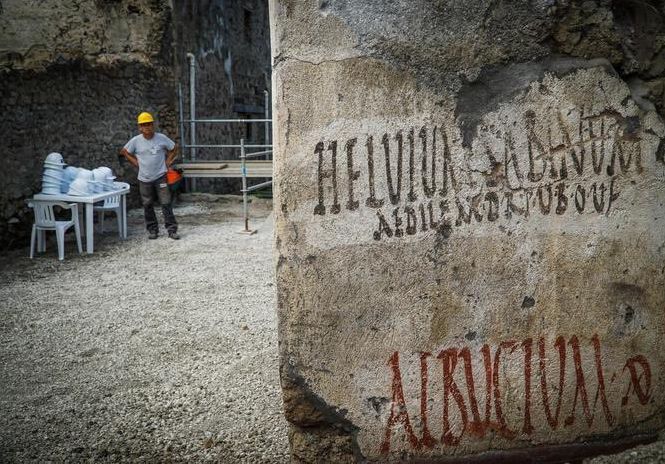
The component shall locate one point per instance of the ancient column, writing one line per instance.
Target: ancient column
(470, 234)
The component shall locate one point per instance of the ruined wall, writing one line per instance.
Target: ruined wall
(73, 77)
(231, 43)
(74, 74)
(469, 227)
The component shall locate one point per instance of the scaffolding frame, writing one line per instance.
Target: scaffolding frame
(222, 164)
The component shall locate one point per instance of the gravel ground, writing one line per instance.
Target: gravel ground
(148, 350)
(647, 454)
(153, 350)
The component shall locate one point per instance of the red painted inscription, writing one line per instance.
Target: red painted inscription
(544, 395)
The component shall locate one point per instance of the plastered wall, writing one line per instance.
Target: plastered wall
(469, 243)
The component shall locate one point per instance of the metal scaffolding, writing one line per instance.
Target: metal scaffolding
(245, 190)
(194, 168)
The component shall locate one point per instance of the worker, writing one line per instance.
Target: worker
(153, 153)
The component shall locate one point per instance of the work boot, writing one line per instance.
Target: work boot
(152, 235)
(174, 235)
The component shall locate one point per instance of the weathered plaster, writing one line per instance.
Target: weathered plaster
(499, 288)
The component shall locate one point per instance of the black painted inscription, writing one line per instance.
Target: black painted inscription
(416, 183)
(351, 204)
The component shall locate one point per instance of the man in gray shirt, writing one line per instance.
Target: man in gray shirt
(152, 153)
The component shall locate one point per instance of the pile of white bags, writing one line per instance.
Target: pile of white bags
(69, 175)
(53, 174)
(103, 179)
(72, 180)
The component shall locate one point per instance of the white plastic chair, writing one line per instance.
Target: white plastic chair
(110, 204)
(45, 220)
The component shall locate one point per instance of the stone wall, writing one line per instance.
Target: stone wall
(231, 44)
(75, 73)
(469, 227)
(73, 77)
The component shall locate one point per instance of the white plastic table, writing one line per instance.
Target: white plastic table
(89, 201)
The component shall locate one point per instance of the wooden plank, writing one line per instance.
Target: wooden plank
(229, 168)
(225, 173)
(202, 166)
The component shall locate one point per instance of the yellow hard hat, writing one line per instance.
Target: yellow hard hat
(145, 117)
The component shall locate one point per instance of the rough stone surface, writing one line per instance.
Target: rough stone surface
(231, 45)
(147, 350)
(36, 34)
(647, 454)
(469, 227)
(75, 73)
(73, 77)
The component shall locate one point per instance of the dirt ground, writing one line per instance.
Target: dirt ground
(152, 350)
(148, 350)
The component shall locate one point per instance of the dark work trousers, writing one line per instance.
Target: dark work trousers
(157, 190)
